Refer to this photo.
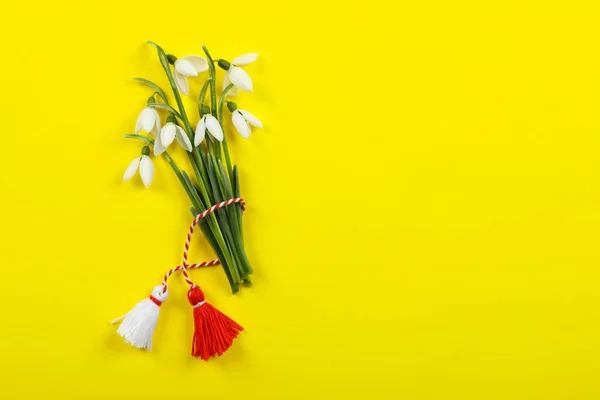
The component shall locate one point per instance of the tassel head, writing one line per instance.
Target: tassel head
(138, 324)
(213, 331)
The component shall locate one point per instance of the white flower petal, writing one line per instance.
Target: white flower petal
(240, 78)
(148, 118)
(156, 128)
(130, 171)
(245, 59)
(240, 124)
(199, 135)
(200, 64)
(185, 67)
(138, 123)
(146, 170)
(214, 127)
(233, 91)
(158, 146)
(181, 83)
(167, 134)
(183, 139)
(252, 120)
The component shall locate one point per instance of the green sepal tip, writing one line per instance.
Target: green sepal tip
(224, 64)
(231, 106)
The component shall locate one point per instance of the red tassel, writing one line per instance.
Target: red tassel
(213, 331)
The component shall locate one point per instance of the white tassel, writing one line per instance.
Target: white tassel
(139, 323)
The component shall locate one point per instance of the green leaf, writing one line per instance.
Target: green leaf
(235, 215)
(220, 255)
(142, 138)
(214, 182)
(236, 193)
(236, 182)
(154, 87)
(196, 159)
(228, 192)
(202, 95)
(161, 55)
(222, 101)
(165, 107)
(192, 191)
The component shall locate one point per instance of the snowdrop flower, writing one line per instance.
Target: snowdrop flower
(210, 123)
(187, 66)
(148, 120)
(242, 120)
(168, 133)
(236, 75)
(145, 165)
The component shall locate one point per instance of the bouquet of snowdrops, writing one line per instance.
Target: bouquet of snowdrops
(214, 178)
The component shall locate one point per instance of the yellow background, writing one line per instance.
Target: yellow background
(424, 201)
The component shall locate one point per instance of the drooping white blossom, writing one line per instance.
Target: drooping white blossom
(237, 76)
(168, 133)
(146, 167)
(208, 123)
(148, 121)
(188, 66)
(242, 120)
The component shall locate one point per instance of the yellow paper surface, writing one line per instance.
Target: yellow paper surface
(423, 201)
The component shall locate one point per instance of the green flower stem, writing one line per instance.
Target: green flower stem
(212, 77)
(220, 188)
(218, 149)
(235, 216)
(225, 147)
(182, 112)
(214, 164)
(211, 218)
(211, 240)
(236, 193)
(201, 175)
(202, 96)
(225, 226)
(233, 176)
(213, 84)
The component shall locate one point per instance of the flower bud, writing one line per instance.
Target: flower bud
(224, 64)
(171, 118)
(145, 150)
(231, 106)
(205, 110)
(171, 59)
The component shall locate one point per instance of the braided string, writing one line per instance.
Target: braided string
(191, 266)
(185, 266)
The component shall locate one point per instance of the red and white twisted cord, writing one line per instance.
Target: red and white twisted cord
(191, 266)
(185, 266)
